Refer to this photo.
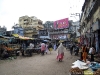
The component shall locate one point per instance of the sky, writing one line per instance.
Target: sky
(45, 10)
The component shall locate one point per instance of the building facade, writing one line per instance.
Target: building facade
(31, 25)
(90, 23)
(3, 30)
(18, 30)
(59, 30)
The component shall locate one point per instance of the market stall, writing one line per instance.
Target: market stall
(82, 68)
(24, 40)
(7, 48)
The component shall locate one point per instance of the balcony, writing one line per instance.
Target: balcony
(59, 32)
(30, 31)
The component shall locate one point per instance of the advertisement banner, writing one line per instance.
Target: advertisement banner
(61, 24)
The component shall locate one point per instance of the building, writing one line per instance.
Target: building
(31, 25)
(18, 30)
(90, 23)
(3, 30)
(48, 25)
(44, 34)
(75, 27)
(59, 30)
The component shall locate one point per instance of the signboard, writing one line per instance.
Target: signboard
(61, 24)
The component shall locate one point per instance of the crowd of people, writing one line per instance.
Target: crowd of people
(83, 51)
(48, 47)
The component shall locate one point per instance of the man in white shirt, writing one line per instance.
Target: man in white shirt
(31, 45)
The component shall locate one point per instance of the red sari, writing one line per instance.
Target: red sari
(60, 54)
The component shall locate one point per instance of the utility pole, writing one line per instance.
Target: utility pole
(77, 14)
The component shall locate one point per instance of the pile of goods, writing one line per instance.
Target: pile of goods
(95, 66)
(8, 48)
(97, 72)
(80, 65)
(76, 71)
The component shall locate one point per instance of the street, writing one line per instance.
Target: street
(38, 65)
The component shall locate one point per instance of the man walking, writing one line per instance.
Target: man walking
(71, 49)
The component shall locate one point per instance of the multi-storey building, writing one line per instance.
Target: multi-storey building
(31, 25)
(90, 23)
(18, 30)
(60, 30)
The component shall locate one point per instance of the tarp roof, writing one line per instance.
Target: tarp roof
(22, 37)
(15, 35)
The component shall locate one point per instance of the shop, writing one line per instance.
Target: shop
(95, 30)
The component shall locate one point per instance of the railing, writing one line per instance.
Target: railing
(59, 32)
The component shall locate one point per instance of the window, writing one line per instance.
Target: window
(25, 19)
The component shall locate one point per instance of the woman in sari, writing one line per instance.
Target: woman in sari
(84, 53)
(60, 52)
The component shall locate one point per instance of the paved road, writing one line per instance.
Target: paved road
(37, 65)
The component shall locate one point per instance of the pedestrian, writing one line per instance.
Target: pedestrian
(50, 47)
(71, 49)
(92, 52)
(60, 52)
(76, 50)
(31, 45)
(43, 48)
(46, 51)
(23, 48)
(84, 53)
(55, 46)
(80, 52)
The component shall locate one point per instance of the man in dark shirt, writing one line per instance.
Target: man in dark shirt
(76, 49)
(71, 49)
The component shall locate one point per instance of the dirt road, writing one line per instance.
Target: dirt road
(37, 65)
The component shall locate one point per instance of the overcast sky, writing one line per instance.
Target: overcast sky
(46, 10)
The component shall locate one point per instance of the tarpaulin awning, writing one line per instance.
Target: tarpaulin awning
(22, 37)
(15, 35)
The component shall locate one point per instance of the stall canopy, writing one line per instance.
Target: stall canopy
(15, 35)
(5, 39)
(22, 37)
